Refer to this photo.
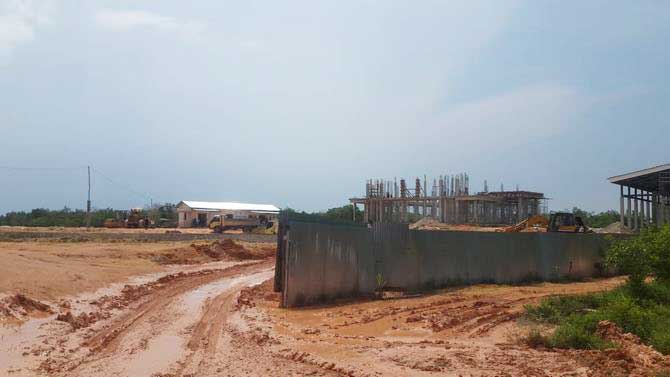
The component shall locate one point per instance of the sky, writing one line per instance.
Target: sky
(297, 103)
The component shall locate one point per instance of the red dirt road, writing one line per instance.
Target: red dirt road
(177, 325)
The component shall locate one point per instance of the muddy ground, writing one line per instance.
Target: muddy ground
(207, 309)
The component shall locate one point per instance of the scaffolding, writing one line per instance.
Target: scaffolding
(448, 200)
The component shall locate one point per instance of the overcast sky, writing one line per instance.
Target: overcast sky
(298, 103)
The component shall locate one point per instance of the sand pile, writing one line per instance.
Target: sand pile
(615, 228)
(427, 223)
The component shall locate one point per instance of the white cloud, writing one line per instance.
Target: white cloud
(506, 120)
(19, 20)
(536, 110)
(129, 20)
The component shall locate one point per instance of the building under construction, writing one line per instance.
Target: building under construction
(448, 200)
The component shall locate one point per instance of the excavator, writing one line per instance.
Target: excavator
(563, 222)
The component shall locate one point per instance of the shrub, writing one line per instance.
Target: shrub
(644, 255)
(578, 331)
(536, 339)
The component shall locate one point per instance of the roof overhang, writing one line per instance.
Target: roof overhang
(649, 179)
(227, 206)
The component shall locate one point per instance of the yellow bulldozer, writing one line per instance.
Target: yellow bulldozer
(134, 218)
(564, 222)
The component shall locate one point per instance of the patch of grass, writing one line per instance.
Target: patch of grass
(578, 331)
(644, 312)
(536, 339)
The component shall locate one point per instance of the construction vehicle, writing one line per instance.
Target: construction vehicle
(564, 222)
(567, 222)
(134, 218)
(221, 223)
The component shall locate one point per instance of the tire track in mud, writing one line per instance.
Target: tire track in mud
(152, 313)
(109, 339)
(180, 327)
(204, 340)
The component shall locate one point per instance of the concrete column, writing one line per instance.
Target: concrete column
(457, 214)
(654, 209)
(621, 209)
(636, 212)
(643, 214)
(629, 214)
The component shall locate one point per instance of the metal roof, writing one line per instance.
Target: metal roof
(229, 206)
(651, 179)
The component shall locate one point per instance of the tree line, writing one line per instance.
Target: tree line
(68, 217)
(167, 213)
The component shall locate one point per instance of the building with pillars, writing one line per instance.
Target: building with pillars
(644, 197)
(448, 200)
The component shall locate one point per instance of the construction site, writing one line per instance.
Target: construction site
(449, 200)
(429, 282)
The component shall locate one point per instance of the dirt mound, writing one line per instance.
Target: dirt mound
(615, 228)
(22, 305)
(250, 296)
(82, 320)
(632, 358)
(426, 223)
(228, 249)
(28, 304)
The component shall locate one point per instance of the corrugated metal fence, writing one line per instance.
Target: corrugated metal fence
(321, 262)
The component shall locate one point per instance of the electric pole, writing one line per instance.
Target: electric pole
(88, 202)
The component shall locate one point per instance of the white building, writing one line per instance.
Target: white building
(192, 213)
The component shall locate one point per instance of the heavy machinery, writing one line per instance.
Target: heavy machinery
(564, 222)
(221, 223)
(134, 218)
(567, 222)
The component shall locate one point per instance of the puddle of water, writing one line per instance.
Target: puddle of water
(161, 352)
(15, 339)
(166, 345)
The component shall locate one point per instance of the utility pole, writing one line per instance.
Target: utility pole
(88, 202)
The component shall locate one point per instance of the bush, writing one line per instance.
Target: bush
(536, 339)
(642, 256)
(630, 316)
(556, 308)
(577, 317)
(578, 331)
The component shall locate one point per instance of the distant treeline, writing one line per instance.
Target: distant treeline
(342, 215)
(597, 220)
(75, 218)
(67, 217)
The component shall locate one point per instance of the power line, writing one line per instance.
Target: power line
(82, 169)
(41, 168)
(124, 186)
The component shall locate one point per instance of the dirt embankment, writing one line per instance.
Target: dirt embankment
(182, 324)
(38, 275)
(475, 331)
(224, 250)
